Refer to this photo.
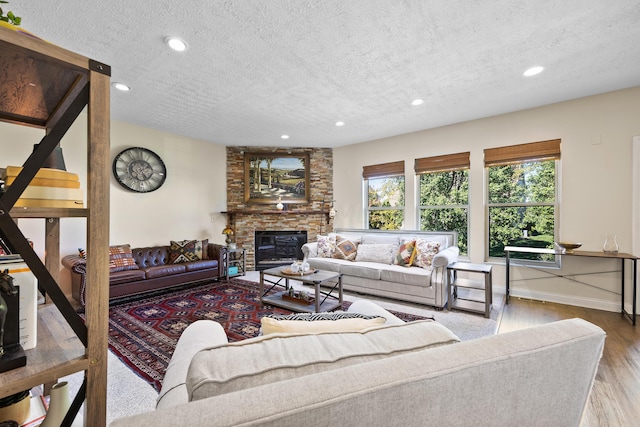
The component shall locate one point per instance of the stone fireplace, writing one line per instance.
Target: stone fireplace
(249, 218)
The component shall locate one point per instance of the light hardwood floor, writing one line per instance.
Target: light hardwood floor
(615, 398)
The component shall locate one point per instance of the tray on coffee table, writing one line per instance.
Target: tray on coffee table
(289, 272)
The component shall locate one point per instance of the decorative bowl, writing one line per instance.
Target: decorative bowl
(568, 246)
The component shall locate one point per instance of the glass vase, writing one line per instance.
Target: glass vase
(610, 245)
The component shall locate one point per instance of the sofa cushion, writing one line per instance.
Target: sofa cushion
(376, 252)
(368, 239)
(328, 264)
(121, 258)
(369, 270)
(187, 250)
(326, 246)
(434, 238)
(405, 254)
(164, 270)
(413, 276)
(311, 323)
(275, 357)
(425, 251)
(126, 276)
(201, 265)
(345, 248)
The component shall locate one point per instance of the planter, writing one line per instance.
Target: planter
(18, 29)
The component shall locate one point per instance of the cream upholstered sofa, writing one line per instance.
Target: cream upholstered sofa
(398, 374)
(372, 270)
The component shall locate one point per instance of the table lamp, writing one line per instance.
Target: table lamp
(228, 231)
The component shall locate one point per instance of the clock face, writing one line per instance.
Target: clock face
(140, 170)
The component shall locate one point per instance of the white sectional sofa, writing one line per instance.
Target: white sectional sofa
(412, 284)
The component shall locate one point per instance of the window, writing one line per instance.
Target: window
(522, 197)
(444, 195)
(384, 184)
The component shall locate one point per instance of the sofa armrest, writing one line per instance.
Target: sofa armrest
(446, 256)
(71, 261)
(310, 250)
(217, 252)
(199, 335)
(78, 268)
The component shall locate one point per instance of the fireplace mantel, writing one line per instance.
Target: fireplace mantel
(231, 213)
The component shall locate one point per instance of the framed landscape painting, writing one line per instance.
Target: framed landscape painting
(269, 177)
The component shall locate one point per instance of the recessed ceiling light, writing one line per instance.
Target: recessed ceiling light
(285, 137)
(121, 86)
(417, 102)
(533, 71)
(176, 44)
(339, 123)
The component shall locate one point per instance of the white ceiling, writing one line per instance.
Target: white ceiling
(257, 69)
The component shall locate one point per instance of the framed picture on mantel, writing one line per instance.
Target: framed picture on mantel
(271, 178)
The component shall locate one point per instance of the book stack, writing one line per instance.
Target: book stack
(50, 188)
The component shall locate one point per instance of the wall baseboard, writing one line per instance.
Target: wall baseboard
(571, 300)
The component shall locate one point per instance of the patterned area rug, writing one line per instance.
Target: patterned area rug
(143, 333)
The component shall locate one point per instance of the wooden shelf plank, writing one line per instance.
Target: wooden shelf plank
(58, 353)
(48, 213)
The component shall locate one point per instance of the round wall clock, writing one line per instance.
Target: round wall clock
(139, 169)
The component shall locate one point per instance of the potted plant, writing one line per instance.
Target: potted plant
(11, 21)
(8, 19)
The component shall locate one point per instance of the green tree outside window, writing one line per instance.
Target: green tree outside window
(444, 204)
(385, 207)
(522, 203)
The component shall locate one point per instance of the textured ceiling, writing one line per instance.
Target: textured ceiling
(256, 70)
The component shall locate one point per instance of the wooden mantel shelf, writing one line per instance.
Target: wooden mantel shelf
(273, 211)
(231, 213)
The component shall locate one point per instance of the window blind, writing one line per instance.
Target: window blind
(443, 163)
(543, 150)
(383, 169)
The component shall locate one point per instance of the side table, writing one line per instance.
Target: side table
(235, 263)
(476, 305)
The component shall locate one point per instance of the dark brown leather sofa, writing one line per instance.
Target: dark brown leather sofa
(153, 271)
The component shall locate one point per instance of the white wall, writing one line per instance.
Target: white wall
(595, 182)
(182, 208)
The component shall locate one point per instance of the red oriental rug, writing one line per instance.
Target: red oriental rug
(143, 332)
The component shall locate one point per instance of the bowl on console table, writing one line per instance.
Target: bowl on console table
(568, 247)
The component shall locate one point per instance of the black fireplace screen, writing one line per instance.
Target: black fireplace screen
(277, 248)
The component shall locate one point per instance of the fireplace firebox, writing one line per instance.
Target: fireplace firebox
(278, 248)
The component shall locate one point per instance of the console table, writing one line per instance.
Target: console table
(623, 257)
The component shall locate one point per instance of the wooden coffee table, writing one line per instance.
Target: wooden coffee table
(323, 301)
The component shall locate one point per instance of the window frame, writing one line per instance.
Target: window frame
(518, 154)
(382, 171)
(443, 164)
